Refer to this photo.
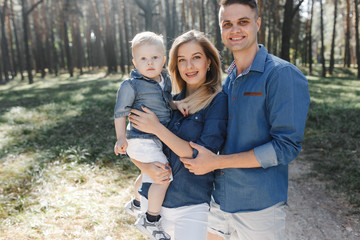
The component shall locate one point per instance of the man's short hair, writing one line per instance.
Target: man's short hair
(251, 3)
(148, 38)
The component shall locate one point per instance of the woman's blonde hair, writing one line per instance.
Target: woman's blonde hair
(203, 96)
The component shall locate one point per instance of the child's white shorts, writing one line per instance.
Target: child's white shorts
(146, 151)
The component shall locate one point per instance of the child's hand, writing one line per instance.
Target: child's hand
(120, 146)
(182, 107)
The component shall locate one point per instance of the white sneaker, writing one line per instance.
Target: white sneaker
(152, 229)
(131, 209)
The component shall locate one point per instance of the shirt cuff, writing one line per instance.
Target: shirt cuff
(266, 155)
(195, 153)
(121, 114)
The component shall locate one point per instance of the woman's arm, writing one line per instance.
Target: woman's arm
(141, 120)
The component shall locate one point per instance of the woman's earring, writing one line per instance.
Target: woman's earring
(208, 69)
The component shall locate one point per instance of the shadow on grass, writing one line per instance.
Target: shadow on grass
(85, 138)
(335, 133)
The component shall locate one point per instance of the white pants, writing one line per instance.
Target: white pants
(146, 151)
(266, 224)
(183, 223)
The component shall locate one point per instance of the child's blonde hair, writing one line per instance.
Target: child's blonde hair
(203, 96)
(147, 38)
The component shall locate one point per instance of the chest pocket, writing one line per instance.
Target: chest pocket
(192, 127)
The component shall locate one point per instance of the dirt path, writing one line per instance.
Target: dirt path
(314, 214)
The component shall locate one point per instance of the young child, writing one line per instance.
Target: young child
(149, 86)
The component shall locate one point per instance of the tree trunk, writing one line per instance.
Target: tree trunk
(310, 36)
(25, 15)
(347, 59)
(10, 43)
(192, 12)
(269, 16)
(174, 19)
(47, 37)
(169, 29)
(289, 13)
(4, 43)
(119, 24)
(261, 5)
(286, 31)
(54, 55)
(39, 52)
(147, 7)
(127, 39)
(296, 30)
(98, 35)
(60, 31)
(332, 60)
(184, 24)
(218, 42)
(69, 60)
(17, 45)
(201, 15)
(78, 51)
(357, 37)
(109, 44)
(323, 73)
(26, 42)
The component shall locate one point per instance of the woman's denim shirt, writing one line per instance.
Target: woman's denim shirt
(207, 128)
(140, 91)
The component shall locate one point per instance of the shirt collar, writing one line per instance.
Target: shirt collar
(258, 63)
(135, 74)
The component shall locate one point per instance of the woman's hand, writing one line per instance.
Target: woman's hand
(157, 171)
(145, 121)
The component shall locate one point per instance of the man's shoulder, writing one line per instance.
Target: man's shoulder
(277, 62)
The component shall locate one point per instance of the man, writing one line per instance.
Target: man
(268, 101)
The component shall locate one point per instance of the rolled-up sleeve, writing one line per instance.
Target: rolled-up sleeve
(124, 100)
(288, 102)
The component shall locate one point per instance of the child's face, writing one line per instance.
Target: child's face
(149, 60)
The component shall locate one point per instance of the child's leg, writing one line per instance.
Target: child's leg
(156, 197)
(138, 183)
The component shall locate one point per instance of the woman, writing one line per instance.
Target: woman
(194, 66)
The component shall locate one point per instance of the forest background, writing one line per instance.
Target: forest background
(59, 178)
(51, 35)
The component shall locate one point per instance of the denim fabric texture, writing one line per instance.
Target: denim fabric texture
(207, 128)
(140, 91)
(267, 108)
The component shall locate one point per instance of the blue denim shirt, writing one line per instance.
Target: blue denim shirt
(207, 128)
(267, 112)
(140, 91)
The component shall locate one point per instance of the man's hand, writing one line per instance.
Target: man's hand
(157, 171)
(205, 161)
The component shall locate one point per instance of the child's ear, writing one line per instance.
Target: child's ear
(133, 62)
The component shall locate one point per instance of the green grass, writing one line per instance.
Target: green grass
(59, 177)
(333, 130)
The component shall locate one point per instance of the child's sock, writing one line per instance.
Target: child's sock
(152, 218)
(136, 203)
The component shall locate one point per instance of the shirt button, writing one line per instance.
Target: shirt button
(229, 117)
(233, 99)
(222, 173)
(196, 118)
